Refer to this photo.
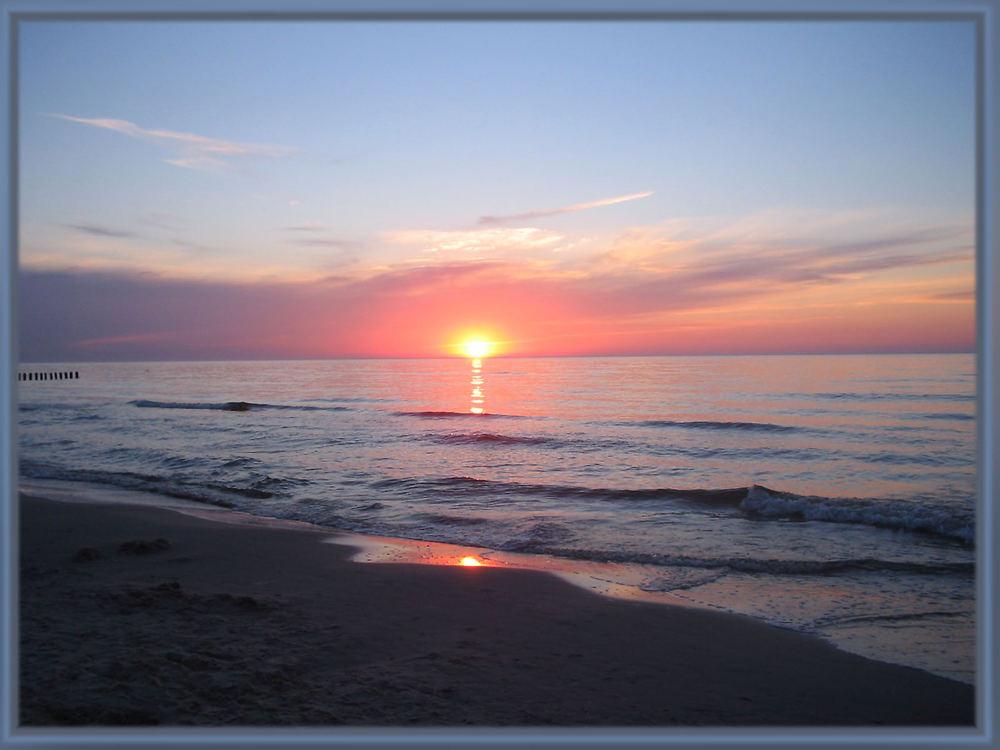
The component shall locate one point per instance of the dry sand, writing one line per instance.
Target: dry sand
(226, 625)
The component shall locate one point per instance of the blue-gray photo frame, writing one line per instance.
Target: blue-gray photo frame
(985, 14)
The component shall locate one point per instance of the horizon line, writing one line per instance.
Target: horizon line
(506, 356)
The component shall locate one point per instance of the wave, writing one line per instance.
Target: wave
(538, 536)
(709, 425)
(52, 406)
(895, 396)
(490, 438)
(841, 620)
(212, 493)
(350, 400)
(756, 502)
(444, 519)
(240, 461)
(473, 486)
(231, 406)
(927, 458)
(773, 566)
(905, 515)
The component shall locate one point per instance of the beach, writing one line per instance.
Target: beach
(834, 496)
(143, 616)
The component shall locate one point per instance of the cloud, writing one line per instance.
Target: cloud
(306, 235)
(918, 237)
(477, 241)
(162, 220)
(326, 242)
(563, 210)
(196, 246)
(961, 296)
(135, 338)
(754, 290)
(816, 275)
(193, 151)
(410, 312)
(98, 230)
(773, 298)
(753, 245)
(310, 227)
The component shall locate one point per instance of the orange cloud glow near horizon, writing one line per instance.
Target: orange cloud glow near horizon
(913, 291)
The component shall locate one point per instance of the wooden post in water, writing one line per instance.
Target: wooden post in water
(59, 375)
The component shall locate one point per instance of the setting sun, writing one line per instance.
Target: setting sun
(470, 562)
(477, 348)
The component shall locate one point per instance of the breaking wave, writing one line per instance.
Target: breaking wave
(942, 520)
(756, 502)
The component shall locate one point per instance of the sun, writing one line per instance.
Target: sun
(477, 348)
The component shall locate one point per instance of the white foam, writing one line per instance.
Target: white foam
(896, 514)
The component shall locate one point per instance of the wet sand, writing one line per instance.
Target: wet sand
(225, 625)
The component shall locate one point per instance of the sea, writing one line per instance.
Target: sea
(830, 494)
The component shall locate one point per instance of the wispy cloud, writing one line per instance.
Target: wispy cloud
(162, 220)
(136, 338)
(917, 237)
(191, 151)
(735, 280)
(967, 295)
(99, 231)
(309, 227)
(325, 242)
(310, 234)
(751, 245)
(477, 241)
(563, 210)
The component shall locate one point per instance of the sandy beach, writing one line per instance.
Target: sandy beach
(144, 616)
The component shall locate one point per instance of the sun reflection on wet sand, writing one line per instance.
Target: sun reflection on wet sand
(617, 580)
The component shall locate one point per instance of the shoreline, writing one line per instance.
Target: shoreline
(615, 580)
(230, 625)
(586, 575)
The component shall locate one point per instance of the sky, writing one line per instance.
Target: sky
(256, 190)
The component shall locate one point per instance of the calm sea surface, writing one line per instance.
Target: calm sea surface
(830, 494)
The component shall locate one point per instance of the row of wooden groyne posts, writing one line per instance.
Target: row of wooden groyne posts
(62, 375)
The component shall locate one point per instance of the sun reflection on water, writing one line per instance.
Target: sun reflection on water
(478, 395)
